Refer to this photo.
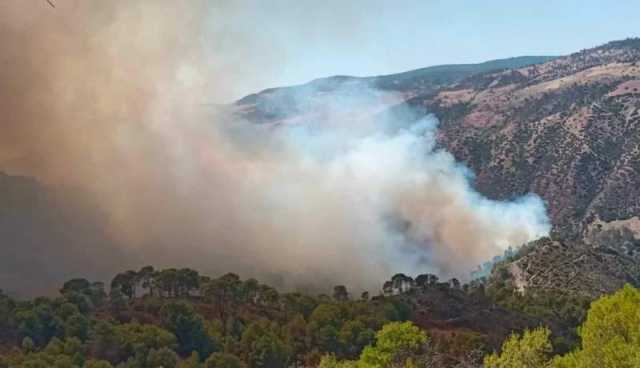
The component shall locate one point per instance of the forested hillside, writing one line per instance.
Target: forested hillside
(179, 318)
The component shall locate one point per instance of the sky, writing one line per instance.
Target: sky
(302, 40)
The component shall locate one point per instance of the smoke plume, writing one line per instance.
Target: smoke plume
(107, 103)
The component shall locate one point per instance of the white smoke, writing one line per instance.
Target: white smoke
(360, 193)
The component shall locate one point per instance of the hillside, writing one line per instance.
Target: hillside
(565, 129)
(267, 106)
(146, 316)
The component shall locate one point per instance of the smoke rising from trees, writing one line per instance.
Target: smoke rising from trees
(107, 104)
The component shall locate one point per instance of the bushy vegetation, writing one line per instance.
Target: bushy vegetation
(179, 318)
(610, 338)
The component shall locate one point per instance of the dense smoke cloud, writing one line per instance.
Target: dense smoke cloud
(108, 100)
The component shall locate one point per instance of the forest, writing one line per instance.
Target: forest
(179, 318)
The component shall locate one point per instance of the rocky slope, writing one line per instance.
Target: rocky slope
(566, 129)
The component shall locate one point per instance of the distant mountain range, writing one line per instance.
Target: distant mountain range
(421, 81)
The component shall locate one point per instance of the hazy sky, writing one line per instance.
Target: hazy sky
(300, 40)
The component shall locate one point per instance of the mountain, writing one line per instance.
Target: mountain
(267, 106)
(568, 131)
(565, 128)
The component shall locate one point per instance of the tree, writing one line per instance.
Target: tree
(223, 360)
(98, 364)
(27, 344)
(117, 301)
(323, 328)
(126, 282)
(145, 275)
(192, 362)
(75, 285)
(166, 281)
(77, 326)
(395, 343)
(611, 333)
(224, 292)
(104, 341)
(531, 350)
(163, 357)
(136, 341)
(267, 296)
(38, 321)
(7, 309)
(296, 336)
(263, 348)
(340, 293)
(454, 284)
(422, 281)
(97, 293)
(188, 327)
(330, 361)
(250, 288)
(187, 280)
(353, 337)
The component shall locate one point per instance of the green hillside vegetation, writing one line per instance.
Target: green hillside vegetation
(179, 318)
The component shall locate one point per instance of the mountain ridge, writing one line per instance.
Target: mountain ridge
(566, 129)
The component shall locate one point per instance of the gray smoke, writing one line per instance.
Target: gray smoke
(109, 100)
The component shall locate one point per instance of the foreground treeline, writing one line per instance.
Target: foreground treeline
(179, 318)
(610, 338)
(170, 318)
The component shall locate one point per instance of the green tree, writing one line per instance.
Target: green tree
(263, 348)
(145, 275)
(395, 343)
(163, 357)
(28, 345)
(97, 364)
(340, 293)
(75, 285)
(223, 360)
(296, 336)
(117, 301)
(76, 325)
(531, 350)
(126, 282)
(193, 361)
(188, 327)
(166, 281)
(324, 326)
(353, 337)
(7, 309)
(610, 335)
(136, 341)
(187, 280)
(225, 293)
(104, 341)
(330, 361)
(38, 321)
